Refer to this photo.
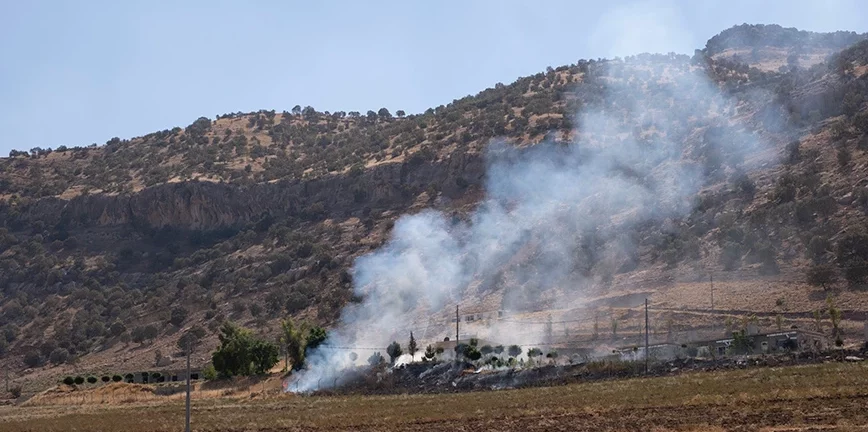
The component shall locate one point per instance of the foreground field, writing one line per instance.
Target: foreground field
(818, 397)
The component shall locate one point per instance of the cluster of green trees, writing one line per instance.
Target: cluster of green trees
(298, 339)
(242, 354)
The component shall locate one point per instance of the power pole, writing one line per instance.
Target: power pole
(713, 326)
(457, 320)
(187, 419)
(647, 354)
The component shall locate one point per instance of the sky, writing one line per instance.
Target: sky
(76, 73)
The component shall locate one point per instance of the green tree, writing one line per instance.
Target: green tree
(821, 275)
(411, 347)
(834, 319)
(232, 356)
(294, 340)
(394, 351)
(68, 380)
(430, 353)
(79, 380)
(375, 359)
(472, 353)
(315, 337)
(264, 356)
(514, 351)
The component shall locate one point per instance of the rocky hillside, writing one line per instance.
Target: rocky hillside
(257, 216)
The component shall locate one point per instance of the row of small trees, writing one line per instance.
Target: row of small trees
(79, 380)
(470, 351)
(130, 377)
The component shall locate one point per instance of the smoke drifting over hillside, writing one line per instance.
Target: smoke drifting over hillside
(568, 205)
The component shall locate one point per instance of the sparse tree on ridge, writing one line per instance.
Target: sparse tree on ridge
(394, 351)
(411, 347)
(821, 275)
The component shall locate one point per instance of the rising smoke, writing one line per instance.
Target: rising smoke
(557, 216)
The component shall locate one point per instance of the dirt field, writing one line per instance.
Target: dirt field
(830, 396)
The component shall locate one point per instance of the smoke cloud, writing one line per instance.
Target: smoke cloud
(557, 216)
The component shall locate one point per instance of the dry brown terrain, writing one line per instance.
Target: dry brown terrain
(829, 396)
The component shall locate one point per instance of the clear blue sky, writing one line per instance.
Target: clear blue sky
(74, 73)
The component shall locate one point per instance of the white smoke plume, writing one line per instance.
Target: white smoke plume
(634, 159)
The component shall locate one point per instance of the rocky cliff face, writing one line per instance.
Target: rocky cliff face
(204, 206)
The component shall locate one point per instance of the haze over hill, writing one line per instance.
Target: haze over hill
(554, 196)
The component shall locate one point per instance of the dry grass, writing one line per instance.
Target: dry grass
(817, 397)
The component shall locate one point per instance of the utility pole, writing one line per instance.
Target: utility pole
(647, 354)
(713, 326)
(187, 419)
(457, 320)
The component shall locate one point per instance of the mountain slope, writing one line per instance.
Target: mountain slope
(256, 216)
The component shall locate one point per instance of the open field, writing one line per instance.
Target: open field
(829, 396)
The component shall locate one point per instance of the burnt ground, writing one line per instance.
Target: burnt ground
(451, 377)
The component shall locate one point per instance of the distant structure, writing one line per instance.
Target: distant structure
(767, 343)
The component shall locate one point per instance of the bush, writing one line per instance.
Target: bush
(129, 377)
(32, 359)
(59, 356)
(79, 380)
(209, 373)
(821, 275)
(117, 378)
(178, 315)
(15, 392)
(69, 380)
(106, 378)
(91, 380)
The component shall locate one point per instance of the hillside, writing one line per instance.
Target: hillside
(108, 252)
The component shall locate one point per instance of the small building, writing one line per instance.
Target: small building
(658, 352)
(763, 343)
